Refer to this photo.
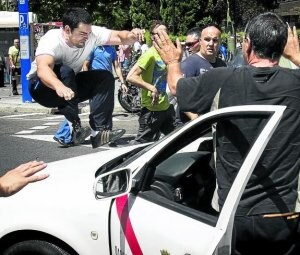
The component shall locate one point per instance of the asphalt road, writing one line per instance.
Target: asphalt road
(25, 137)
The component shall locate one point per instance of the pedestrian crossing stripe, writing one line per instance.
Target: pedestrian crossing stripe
(20, 115)
(49, 138)
(39, 127)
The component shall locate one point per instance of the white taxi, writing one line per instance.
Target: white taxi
(143, 199)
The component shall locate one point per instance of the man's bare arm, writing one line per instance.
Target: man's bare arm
(45, 64)
(191, 115)
(85, 66)
(118, 71)
(126, 37)
(134, 76)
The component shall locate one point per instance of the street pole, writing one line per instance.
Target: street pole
(173, 12)
(24, 31)
(230, 32)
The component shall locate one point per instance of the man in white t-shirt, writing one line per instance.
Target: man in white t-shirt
(56, 80)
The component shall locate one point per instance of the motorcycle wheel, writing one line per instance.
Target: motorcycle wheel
(128, 102)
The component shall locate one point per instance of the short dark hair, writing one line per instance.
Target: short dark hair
(156, 23)
(194, 31)
(74, 16)
(268, 35)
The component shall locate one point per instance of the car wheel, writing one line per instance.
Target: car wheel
(34, 247)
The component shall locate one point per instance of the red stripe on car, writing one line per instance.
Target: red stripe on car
(123, 213)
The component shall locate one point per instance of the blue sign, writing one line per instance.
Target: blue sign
(24, 31)
(23, 20)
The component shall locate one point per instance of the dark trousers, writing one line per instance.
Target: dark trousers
(97, 86)
(260, 235)
(2, 76)
(15, 73)
(151, 124)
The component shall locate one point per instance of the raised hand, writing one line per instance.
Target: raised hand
(291, 50)
(17, 178)
(166, 48)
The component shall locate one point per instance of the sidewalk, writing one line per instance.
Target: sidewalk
(11, 104)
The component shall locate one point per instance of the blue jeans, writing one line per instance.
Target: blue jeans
(64, 132)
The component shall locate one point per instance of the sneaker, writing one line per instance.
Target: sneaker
(79, 134)
(106, 136)
(62, 142)
(15, 92)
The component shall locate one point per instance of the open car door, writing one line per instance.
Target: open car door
(161, 214)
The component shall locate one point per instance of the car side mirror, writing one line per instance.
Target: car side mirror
(113, 184)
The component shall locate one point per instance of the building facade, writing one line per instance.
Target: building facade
(289, 10)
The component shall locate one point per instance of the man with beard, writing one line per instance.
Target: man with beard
(56, 80)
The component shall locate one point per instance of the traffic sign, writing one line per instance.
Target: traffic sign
(23, 22)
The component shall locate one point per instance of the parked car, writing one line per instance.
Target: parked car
(141, 199)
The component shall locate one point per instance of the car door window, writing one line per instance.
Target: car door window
(182, 176)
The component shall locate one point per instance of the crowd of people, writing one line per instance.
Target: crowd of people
(75, 64)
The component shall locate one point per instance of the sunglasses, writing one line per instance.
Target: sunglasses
(191, 44)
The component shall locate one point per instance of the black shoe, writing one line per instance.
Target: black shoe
(15, 93)
(62, 142)
(106, 136)
(79, 134)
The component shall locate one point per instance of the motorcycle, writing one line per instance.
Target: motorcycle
(130, 100)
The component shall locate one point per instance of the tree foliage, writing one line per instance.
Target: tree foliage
(143, 11)
(243, 10)
(178, 15)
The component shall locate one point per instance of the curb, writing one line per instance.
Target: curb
(19, 107)
(14, 104)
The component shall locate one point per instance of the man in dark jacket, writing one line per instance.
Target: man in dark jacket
(265, 220)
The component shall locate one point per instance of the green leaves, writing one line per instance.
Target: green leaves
(126, 14)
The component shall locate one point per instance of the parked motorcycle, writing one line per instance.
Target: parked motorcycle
(130, 100)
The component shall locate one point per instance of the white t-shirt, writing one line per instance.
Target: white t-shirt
(54, 44)
(144, 48)
(137, 46)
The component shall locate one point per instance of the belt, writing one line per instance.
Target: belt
(289, 215)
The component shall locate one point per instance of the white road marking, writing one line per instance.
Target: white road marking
(61, 116)
(57, 119)
(45, 138)
(25, 132)
(51, 123)
(49, 138)
(20, 115)
(39, 127)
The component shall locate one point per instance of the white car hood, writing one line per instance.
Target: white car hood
(70, 180)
